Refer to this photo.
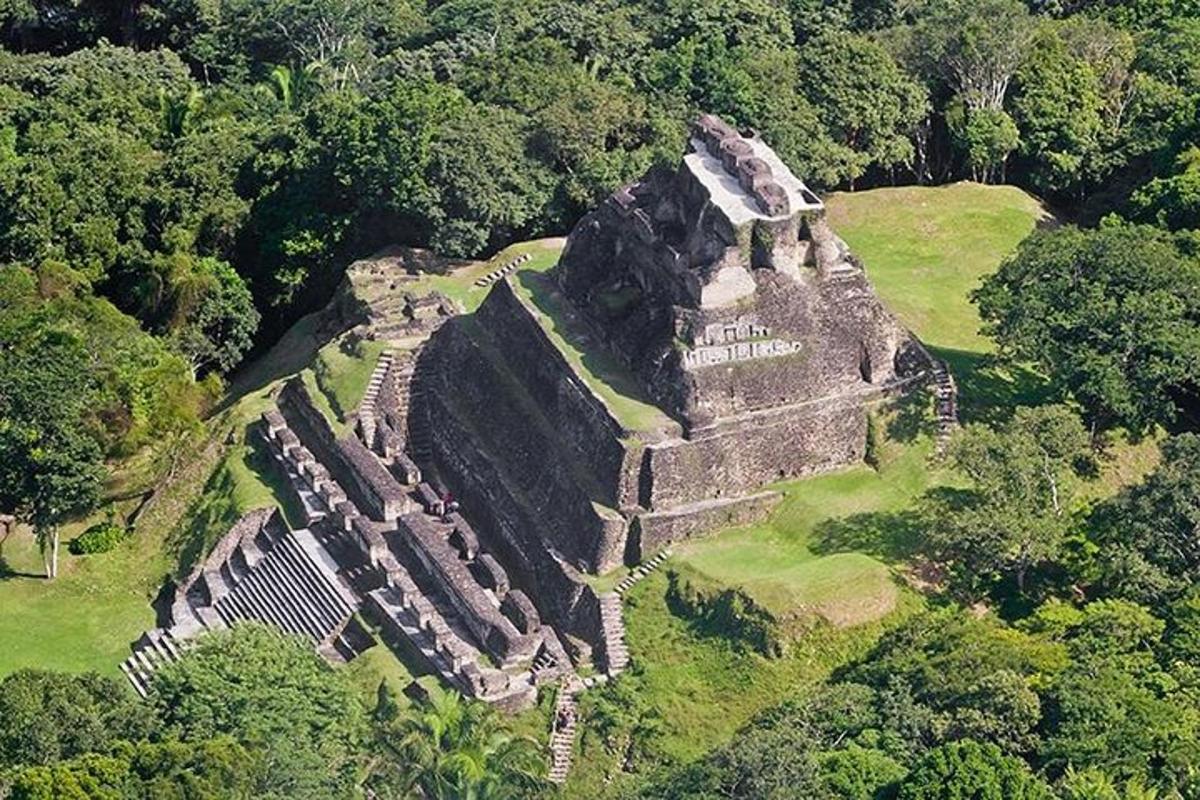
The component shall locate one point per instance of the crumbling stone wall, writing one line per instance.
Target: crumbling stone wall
(466, 384)
(765, 448)
(372, 488)
(439, 562)
(508, 526)
(576, 413)
(653, 531)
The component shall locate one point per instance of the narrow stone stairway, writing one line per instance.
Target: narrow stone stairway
(616, 654)
(366, 409)
(946, 394)
(641, 571)
(562, 730)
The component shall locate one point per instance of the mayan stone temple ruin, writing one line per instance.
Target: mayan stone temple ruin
(483, 475)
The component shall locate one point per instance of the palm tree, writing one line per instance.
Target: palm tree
(177, 112)
(452, 749)
(292, 86)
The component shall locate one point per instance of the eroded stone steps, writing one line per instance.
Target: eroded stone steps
(287, 589)
(946, 404)
(562, 735)
(366, 409)
(155, 650)
(641, 571)
(497, 274)
(616, 654)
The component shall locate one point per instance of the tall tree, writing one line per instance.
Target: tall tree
(1110, 316)
(1016, 512)
(51, 466)
(451, 748)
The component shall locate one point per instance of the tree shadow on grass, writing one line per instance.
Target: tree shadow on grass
(890, 536)
(912, 417)
(7, 571)
(211, 515)
(990, 389)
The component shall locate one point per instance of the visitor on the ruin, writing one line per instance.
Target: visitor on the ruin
(449, 504)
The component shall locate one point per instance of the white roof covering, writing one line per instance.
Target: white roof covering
(738, 204)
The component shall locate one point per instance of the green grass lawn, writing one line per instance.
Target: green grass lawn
(85, 618)
(925, 250)
(700, 688)
(602, 372)
(459, 284)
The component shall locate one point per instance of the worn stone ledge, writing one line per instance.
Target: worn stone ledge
(655, 530)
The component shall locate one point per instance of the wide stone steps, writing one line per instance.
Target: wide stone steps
(641, 571)
(287, 589)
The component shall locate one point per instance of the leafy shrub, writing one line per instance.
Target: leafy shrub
(100, 538)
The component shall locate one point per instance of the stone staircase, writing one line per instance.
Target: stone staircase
(946, 394)
(497, 274)
(366, 409)
(641, 571)
(420, 443)
(616, 654)
(284, 587)
(562, 731)
(155, 649)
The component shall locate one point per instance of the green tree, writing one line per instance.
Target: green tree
(47, 717)
(1146, 535)
(1015, 515)
(1173, 201)
(213, 324)
(451, 748)
(1059, 109)
(274, 695)
(869, 104)
(51, 467)
(1108, 315)
(968, 769)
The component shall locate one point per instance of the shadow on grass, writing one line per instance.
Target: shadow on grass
(913, 417)
(988, 389)
(213, 513)
(218, 507)
(7, 571)
(890, 536)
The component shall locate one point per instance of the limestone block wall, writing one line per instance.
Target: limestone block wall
(442, 565)
(584, 422)
(467, 386)
(508, 526)
(758, 450)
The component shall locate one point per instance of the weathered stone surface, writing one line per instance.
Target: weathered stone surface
(472, 404)
(518, 608)
(717, 243)
(420, 540)
(584, 423)
(653, 531)
(373, 489)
